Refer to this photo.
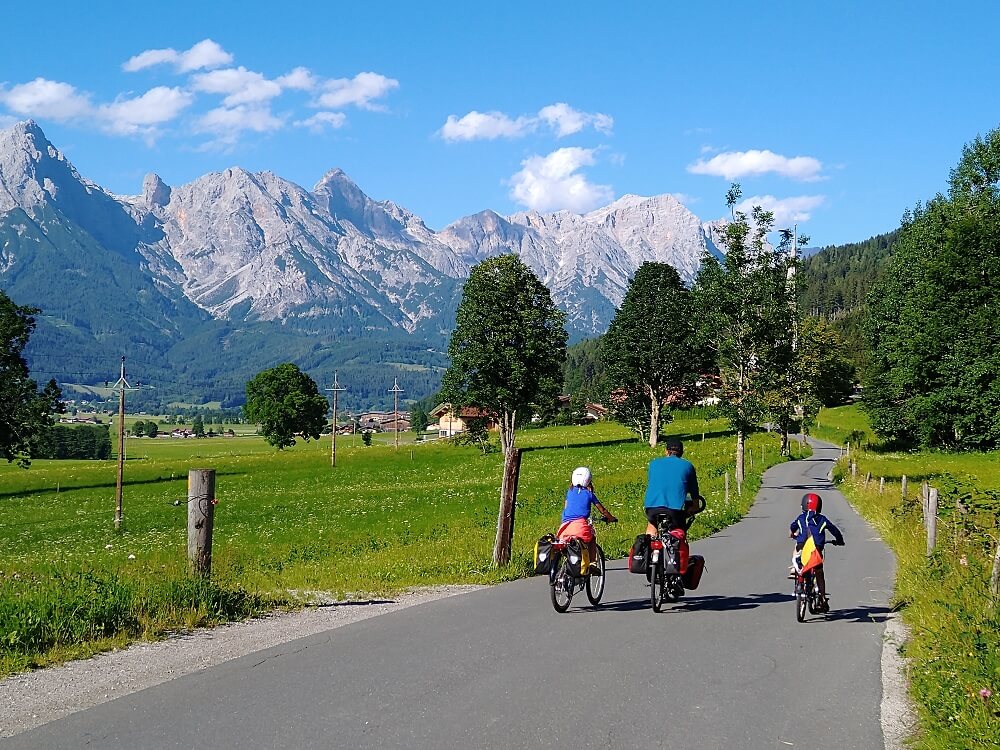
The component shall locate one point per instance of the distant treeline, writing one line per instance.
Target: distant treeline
(85, 441)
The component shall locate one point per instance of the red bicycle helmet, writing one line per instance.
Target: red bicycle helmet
(812, 501)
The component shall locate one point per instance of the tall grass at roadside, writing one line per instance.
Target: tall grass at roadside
(289, 527)
(954, 648)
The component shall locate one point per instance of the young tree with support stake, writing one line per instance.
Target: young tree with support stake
(651, 350)
(743, 308)
(507, 353)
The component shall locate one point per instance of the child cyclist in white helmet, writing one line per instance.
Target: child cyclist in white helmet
(580, 498)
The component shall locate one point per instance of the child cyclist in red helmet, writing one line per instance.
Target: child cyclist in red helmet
(580, 498)
(812, 523)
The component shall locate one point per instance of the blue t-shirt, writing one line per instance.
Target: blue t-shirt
(670, 480)
(578, 502)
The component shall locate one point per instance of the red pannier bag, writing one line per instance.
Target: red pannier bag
(692, 577)
(682, 549)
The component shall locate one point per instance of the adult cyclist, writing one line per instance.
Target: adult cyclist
(670, 481)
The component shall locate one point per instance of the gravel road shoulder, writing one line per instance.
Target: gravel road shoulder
(35, 698)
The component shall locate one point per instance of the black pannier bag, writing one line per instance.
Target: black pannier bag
(543, 554)
(578, 557)
(692, 576)
(671, 555)
(638, 556)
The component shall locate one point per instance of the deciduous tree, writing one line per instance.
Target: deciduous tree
(651, 350)
(744, 308)
(285, 402)
(507, 353)
(25, 411)
(933, 315)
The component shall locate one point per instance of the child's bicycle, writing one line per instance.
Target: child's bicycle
(807, 596)
(564, 584)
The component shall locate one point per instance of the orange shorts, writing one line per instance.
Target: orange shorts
(578, 527)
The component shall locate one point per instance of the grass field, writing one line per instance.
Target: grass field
(288, 524)
(954, 650)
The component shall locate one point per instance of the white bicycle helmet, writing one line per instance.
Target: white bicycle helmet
(581, 476)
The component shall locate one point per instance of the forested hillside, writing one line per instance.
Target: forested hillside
(835, 281)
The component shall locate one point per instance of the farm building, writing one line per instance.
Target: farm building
(450, 424)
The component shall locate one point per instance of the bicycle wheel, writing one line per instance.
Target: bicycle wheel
(656, 583)
(672, 588)
(595, 584)
(562, 587)
(801, 601)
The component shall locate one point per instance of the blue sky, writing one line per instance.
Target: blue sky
(837, 115)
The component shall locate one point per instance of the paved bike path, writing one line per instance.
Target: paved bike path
(727, 667)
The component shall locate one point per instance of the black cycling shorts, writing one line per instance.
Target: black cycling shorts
(678, 518)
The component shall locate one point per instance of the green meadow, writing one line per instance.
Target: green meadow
(289, 528)
(954, 647)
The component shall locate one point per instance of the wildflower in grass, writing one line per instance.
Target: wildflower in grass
(131, 557)
(985, 694)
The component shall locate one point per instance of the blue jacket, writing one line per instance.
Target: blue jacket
(670, 480)
(817, 524)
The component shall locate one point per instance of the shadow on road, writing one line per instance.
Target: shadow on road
(868, 614)
(729, 603)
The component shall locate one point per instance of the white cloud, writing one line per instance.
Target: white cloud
(322, 120)
(565, 120)
(359, 91)
(300, 78)
(553, 182)
(735, 164)
(47, 99)
(786, 210)
(226, 123)
(241, 86)
(485, 126)
(205, 54)
(488, 126)
(143, 113)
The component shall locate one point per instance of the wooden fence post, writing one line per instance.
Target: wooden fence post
(881, 485)
(903, 488)
(508, 502)
(200, 520)
(995, 575)
(924, 498)
(854, 470)
(932, 504)
(727, 487)
(868, 478)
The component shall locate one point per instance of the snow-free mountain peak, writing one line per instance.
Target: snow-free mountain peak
(254, 246)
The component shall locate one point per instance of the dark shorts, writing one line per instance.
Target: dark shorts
(678, 518)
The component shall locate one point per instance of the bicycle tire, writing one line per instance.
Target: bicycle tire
(595, 584)
(561, 588)
(672, 588)
(656, 585)
(801, 601)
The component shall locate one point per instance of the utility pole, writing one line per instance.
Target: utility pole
(121, 386)
(333, 434)
(395, 391)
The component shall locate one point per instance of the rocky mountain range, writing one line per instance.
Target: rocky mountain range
(235, 256)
